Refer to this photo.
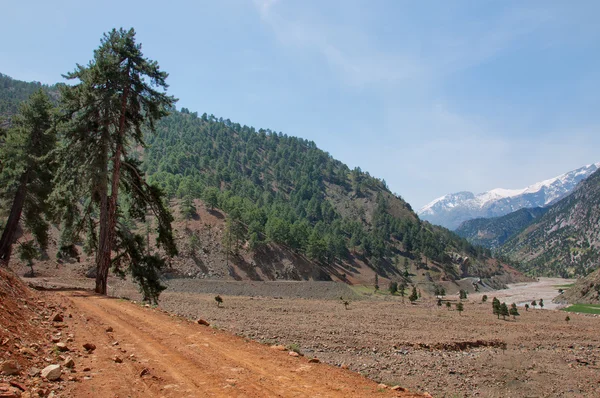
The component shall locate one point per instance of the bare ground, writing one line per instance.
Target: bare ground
(421, 347)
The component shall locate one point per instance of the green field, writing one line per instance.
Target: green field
(583, 308)
(564, 286)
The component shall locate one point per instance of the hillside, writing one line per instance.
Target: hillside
(453, 209)
(255, 204)
(565, 240)
(283, 192)
(493, 232)
(13, 92)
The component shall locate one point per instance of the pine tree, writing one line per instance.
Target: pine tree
(514, 311)
(117, 96)
(393, 288)
(496, 307)
(541, 304)
(460, 307)
(402, 289)
(413, 296)
(26, 175)
(504, 311)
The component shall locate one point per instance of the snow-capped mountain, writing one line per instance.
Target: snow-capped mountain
(452, 209)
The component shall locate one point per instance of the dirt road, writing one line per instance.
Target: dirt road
(164, 356)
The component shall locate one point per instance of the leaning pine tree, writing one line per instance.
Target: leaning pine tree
(26, 173)
(118, 94)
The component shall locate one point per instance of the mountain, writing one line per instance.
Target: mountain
(260, 205)
(566, 240)
(586, 291)
(493, 232)
(13, 92)
(453, 209)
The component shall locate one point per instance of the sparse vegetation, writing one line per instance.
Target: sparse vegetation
(219, 300)
(460, 307)
(484, 298)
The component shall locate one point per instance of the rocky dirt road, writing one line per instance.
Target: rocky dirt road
(146, 352)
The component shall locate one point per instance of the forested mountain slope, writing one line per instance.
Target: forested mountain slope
(566, 240)
(255, 204)
(13, 92)
(493, 232)
(280, 190)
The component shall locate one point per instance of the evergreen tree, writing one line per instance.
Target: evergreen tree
(413, 296)
(393, 287)
(484, 298)
(188, 210)
(541, 304)
(439, 302)
(526, 307)
(514, 311)
(462, 294)
(460, 307)
(496, 307)
(402, 289)
(534, 303)
(448, 305)
(117, 96)
(26, 173)
(504, 311)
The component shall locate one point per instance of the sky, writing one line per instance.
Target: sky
(432, 96)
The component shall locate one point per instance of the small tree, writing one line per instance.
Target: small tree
(504, 311)
(402, 289)
(567, 319)
(462, 294)
(560, 291)
(219, 300)
(413, 296)
(345, 303)
(459, 308)
(27, 253)
(496, 307)
(541, 304)
(484, 298)
(393, 287)
(439, 302)
(448, 305)
(534, 303)
(526, 307)
(376, 282)
(514, 311)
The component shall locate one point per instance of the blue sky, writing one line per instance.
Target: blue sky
(433, 96)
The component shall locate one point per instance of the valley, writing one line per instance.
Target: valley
(421, 347)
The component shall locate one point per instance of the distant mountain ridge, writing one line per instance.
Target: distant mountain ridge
(493, 232)
(566, 240)
(453, 209)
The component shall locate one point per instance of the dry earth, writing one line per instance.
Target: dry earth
(420, 347)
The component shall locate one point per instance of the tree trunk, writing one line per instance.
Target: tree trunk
(10, 230)
(108, 206)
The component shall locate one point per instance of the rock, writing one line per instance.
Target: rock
(293, 354)
(6, 391)
(89, 346)
(144, 372)
(18, 385)
(34, 372)
(314, 360)
(55, 339)
(117, 359)
(344, 366)
(69, 363)
(278, 347)
(10, 367)
(27, 351)
(62, 347)
(109, 329)
(398, 388)
(203, 322)
(87, 369)
(382, 386)
(52, 372)
(57, 317)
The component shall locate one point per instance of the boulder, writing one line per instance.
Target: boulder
(314, 360)
(293, 354)
(7, 391)
(52, 372)
(62, 347)
(10, 367)
(57, 317)
(203, 322)
(69, 363)
(278, 347)
(89, 346)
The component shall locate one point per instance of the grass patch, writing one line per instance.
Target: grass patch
(583, 308)
(564, 286)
